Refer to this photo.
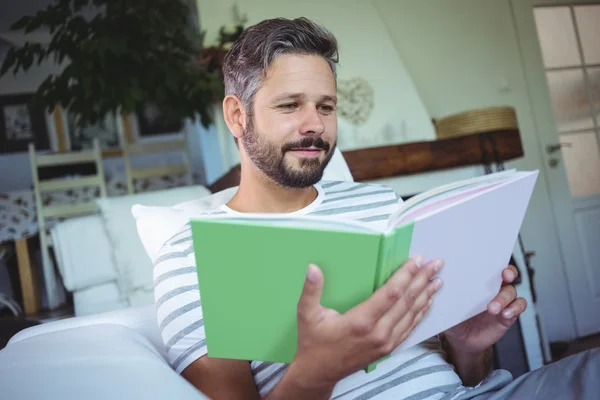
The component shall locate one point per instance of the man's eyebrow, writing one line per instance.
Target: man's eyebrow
(301, 96)
(289, 96)
(329, 98)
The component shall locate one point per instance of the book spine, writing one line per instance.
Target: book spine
(394, 250)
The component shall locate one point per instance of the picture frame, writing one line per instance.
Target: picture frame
(21, 124)
(106, 130)
(150, 123)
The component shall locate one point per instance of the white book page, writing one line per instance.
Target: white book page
(437, 198)
(475, 239)
(425, 196)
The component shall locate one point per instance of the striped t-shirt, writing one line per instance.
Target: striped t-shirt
(420, 372)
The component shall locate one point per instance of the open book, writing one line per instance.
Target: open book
(251, 267)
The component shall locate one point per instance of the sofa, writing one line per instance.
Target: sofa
(114, 355)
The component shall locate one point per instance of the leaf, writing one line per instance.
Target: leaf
(41, 58)
(22, 23)
(27, 61)
(78, 5)
(9, 61)
(131, 53)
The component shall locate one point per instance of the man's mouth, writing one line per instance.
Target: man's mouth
(307, 151)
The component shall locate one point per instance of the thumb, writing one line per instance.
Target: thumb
(310, 299)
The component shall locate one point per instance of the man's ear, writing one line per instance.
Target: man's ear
(235, 115)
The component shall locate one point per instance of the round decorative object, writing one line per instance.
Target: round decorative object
(477, 121)
(355, 100)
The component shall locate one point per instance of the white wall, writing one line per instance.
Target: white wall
(366, 51)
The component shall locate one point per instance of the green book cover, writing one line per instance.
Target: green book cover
(251, 274)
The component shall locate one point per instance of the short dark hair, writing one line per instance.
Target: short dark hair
(247, 61)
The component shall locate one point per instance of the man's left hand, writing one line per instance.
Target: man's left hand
(484, 330)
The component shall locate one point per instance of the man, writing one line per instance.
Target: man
(280, 105)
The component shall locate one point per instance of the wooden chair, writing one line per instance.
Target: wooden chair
(44, 212)
(139, 149)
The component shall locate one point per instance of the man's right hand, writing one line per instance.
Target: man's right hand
(332, 346)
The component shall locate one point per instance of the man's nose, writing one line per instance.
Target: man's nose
(312, 123)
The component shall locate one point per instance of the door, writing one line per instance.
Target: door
(561, 55)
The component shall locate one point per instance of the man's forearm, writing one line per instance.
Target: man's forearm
(293, 387)
(472, 368)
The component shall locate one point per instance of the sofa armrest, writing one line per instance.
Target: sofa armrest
(98, 361)
(140, 319)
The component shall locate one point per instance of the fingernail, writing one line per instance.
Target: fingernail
(507, 313)
(418, 260)
(430, 302)
(437, 283)
(495, 307)
(438, 264)
(510, 274)
(311, 273)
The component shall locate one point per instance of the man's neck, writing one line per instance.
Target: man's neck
(259, 194)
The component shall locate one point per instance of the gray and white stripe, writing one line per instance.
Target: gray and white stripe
(355, 208)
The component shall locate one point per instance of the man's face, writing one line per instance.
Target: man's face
(291, 134)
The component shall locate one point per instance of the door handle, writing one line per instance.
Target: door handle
(552, 148)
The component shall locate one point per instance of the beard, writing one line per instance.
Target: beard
(270, 158)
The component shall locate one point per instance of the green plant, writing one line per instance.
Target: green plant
(128, 54)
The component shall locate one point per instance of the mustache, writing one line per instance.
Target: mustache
(307, 142)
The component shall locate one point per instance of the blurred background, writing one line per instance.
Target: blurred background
(468, 86)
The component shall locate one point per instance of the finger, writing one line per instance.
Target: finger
(515, 309)
(405, 327)
(372, 309)
(423, 279)
(506, 296)
(509, 274)
(423, 294)
(310, 298)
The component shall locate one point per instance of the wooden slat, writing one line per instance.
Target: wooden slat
(127, 133)
(60, 129)
(434, 155)
(69, 210)
(112, 152)
(69, 183)
(164, 170)
(156, 147)
(30, 287)
(65, 158)
(415, 157)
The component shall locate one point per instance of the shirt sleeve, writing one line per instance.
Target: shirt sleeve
(177, 298)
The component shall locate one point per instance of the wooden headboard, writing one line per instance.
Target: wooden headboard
(416, 157)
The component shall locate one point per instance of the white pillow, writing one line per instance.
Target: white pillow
(134, 269)
(157, 224)
(337, 169)
(83, 263)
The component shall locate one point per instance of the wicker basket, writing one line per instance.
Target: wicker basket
(476, 121)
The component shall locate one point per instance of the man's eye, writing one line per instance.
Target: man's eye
(326, 108)
(288, 106)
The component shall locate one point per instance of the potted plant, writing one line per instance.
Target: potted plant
(120, 56)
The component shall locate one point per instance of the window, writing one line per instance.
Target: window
(570, 45)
